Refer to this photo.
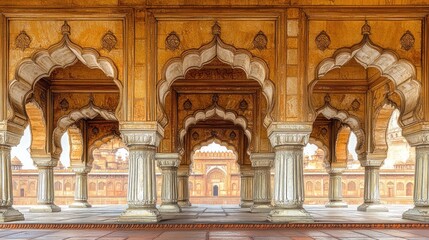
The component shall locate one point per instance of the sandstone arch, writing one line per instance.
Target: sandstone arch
(39, 144)
(254, 67)
(41, 64)
(321, 145)
(98, 143)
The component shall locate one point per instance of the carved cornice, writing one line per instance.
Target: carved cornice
(372, 162)
(285, 133)
(141, 133)
(262, 159)
(81, 169)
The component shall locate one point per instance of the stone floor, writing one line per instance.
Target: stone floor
(213, 214)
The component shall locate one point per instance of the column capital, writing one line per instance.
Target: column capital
(246, 171)
(262, 159)
(289, 133)
(335, 170)
(417, 134)
(372, 161)
(9, 138)
(81, 169)
(183, 170)
(45, 161)
(141, 133)
(168, 160)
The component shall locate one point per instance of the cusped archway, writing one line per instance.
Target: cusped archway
(176, 68)
(43, 62)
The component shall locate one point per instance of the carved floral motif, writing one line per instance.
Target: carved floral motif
(64, 104)
(22, 41)
(407, 40)
(109, 41)
(260, 41)
(187, 105)
(172, 41)
(323, 41)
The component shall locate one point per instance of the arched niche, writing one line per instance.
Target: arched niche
(176, 68)
(213, 112)
(344, 117)
(88, 112)
(41, 64)
(400, 72)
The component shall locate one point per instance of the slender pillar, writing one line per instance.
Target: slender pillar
(7, 212)
(45, 185)
(261, 163)
(246, 188)
(420, 212)
(169, 163)
(183, 193)
(335, 188)
(81, 189)
(288, 140)
(141, 196)
(371, 187)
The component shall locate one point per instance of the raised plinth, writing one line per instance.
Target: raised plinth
(45, 208)
(10, 214)
(284, 215)
(170, 208)
(417, 213)
(261, 208)
(184, 203)
(336, 204)
(246, 203)
(372, 207)
(77, 204)
(145, 215)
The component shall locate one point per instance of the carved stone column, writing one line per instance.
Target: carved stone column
(371, 186)
(420, 212)
(7, 212)
(261, 163)
(45, 185)
(183, 189)
(246, 188)
(81, 189)
(169, 163)
(335, 188)
(288, 140)
(142, 141)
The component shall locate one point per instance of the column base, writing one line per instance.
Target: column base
(186, 203)
(246, 204)
(45, 208)
(145, 215)
(336, 204)
(261, 207)
(10, 214)
(372, 207)
(417, 214)
(82, 204)
(170, 208)
(289, 215)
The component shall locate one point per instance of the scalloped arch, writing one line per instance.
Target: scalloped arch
(330, 112)
(341, 144)
(321, 145)
(380, 126)
(88, 112)
(207, 142)
(100, 142)
(400, 71)
(41, 64)
(255, 68)
(38, 128)
(215, 111)
(76, 146)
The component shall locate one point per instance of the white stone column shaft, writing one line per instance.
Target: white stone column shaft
(81, 188)
(169, 163)
(183, 187)
(288, 140)
(420, 212)
(7, 212)
(335, 188)
(371, 187)
(261, 163)
(142, 141)
(246, 188)
(45, 185)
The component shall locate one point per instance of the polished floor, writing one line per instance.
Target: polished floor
(208, 215)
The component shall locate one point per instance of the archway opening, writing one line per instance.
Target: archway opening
(215, 176)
